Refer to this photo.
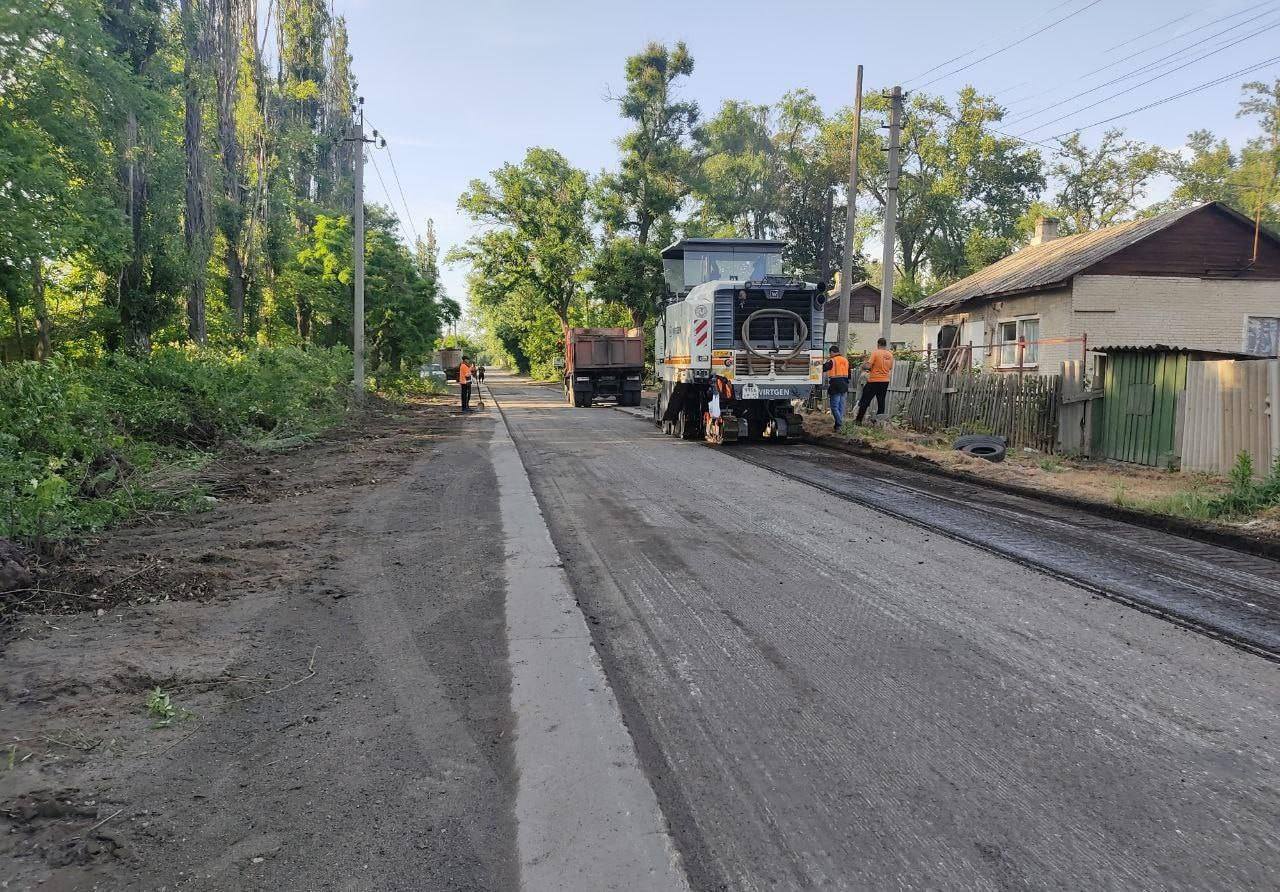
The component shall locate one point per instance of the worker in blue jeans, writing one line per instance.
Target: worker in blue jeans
(837, 369)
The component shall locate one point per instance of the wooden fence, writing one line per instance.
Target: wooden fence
(1022, 408)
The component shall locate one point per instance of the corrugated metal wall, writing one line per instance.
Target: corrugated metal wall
(1231, 407)
(1141, 392)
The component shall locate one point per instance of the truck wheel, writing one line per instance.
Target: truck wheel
(582, 399)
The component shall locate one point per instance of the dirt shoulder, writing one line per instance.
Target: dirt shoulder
(1146, 495)
(329, 637)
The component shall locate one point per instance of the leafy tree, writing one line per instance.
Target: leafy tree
(963, 189)
(655, 162)
(57, 192)
(629, 275)
(536, 242)
(1203, 170)
(1105, 185)
(1261, 157)
(735, 185)
(402, 318)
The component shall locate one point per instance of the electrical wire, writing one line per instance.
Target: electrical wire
(386, 193)
(1196, 89)
(1221, 20)
(1011, 45)
(396, 174)
(403, 200)
(976, 49)
(1150, 80)
(1151, 66)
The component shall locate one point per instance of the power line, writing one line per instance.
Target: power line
(1155, 30)
(1196, 89)
(1143, 52)
(1151, 66)
(1011, 45)
(1150, 80)
(976, 49)
(381, 182)
(403, 200)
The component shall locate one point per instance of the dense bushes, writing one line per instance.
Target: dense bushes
(74, 438)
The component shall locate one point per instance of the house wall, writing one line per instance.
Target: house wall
(1207, 314)
(863, 335)
(979, 327)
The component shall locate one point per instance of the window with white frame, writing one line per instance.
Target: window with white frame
(1009, 332)
(1262, 335)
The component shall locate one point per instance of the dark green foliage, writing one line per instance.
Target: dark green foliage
(76, 440)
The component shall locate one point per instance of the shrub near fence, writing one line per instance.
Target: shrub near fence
(1022, 408)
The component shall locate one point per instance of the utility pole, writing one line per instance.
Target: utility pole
(357, 254)
(890, 217)
(846, 268)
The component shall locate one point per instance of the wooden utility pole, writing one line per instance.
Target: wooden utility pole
(846, 268)
(890, 217)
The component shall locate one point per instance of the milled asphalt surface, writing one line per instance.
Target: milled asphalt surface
(825, 696)
(1219, 590)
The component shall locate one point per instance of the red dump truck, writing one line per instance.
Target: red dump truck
(603, 363)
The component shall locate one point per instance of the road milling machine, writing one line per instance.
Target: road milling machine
(738, 345)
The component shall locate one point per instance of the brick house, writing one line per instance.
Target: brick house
(1185, 279)
(864, 319)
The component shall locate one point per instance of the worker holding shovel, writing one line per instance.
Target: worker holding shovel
(464, 383)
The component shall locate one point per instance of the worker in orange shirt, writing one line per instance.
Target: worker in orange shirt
(879, 368)
(464, 383)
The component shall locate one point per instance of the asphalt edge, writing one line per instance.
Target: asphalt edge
(1212, 535)
(1177, 526)
(587, 817)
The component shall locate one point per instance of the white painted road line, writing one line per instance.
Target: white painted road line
(587, 817)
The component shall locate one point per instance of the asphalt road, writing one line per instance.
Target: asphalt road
(827, 696)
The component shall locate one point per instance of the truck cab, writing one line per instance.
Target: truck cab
(731, 312)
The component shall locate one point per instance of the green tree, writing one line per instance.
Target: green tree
(655, 162)
(1261, 157)
(536, 241)
(963, 190)
(1107, 184)
(629, 275)
(402, 316)
(151, 274)
(735, 184)
(57, 175)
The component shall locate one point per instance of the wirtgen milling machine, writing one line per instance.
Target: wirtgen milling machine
(731, 313)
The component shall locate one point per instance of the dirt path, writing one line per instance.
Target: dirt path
(334, 627)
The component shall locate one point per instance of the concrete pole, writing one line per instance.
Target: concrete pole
(890, 217)
(846, 268)
(357, 256)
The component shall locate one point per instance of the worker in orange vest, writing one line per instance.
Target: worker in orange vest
(879, 368)
(837, 369)
(464, 383)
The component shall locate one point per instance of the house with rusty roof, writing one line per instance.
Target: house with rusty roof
(1186, 280)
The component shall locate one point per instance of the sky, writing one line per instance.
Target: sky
(459, 88)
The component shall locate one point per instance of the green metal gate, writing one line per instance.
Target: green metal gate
(1140, 406)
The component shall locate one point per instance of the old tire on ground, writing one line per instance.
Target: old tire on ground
(990, 451)
(972, 439)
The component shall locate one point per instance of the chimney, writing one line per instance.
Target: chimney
(1046, 230)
